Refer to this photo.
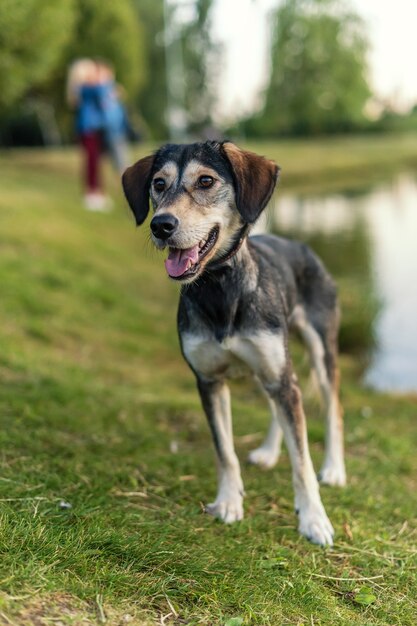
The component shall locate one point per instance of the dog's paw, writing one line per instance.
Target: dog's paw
(229, 511)
(315, 525)
(333, 474)
(264, 457)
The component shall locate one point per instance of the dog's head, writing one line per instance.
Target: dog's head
(202, 194)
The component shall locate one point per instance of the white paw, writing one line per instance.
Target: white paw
(315, 525)
(229, 511)
(333, 474)
(264, 457)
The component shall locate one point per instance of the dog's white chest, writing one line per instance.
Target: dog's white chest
(261, 353)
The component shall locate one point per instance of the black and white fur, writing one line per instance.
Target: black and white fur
(238, 302)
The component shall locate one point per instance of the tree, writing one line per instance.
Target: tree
(33, 36)
(318, 70)
(152, 100)
(38, 41)
(200, 57)
(40, 38)
(111, 30)
(190, 38)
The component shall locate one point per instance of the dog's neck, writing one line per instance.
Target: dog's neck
(237, 244)
(234, 271)
(217, 297)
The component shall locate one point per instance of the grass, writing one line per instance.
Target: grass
(105, 455)
(336, 162)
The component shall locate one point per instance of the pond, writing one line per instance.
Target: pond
(368, 240)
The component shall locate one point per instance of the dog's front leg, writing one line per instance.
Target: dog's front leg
(313, 521)
(215, 397)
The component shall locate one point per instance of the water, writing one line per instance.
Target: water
(368, 239)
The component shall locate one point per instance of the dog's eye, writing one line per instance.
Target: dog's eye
(205, 181)
(159, 184)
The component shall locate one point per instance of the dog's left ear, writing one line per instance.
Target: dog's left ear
(136, 181)
(255, 180)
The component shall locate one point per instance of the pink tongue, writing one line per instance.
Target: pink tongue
(179, 261)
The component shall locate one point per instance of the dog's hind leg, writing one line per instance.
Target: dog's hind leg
(320, 336)
(268, 452)
(215, 397)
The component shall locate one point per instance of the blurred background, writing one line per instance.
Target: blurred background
(194, 68)
(326, 87)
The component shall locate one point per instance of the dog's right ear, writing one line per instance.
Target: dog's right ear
(136, 180)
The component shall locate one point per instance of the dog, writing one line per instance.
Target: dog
(240, 297)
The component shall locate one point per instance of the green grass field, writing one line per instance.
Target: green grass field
(98, 411)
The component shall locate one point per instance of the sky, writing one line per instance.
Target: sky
(242, 27)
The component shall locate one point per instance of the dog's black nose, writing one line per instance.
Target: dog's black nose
(163, 226)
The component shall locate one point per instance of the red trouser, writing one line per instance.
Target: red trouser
(91, 143)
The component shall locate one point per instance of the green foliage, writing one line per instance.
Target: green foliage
(398, 122)
(317, 82)
(152, 100)
(33, 37)
(113, 31)
(200, 59)
(192, 41)
(39, 39)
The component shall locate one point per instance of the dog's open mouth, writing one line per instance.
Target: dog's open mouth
(182, 263)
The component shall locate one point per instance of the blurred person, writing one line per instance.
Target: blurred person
(84, 94)
(116, 124)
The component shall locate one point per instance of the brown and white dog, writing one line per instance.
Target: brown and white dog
(240, 297)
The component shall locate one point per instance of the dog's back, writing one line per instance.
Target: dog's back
(302, 275)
